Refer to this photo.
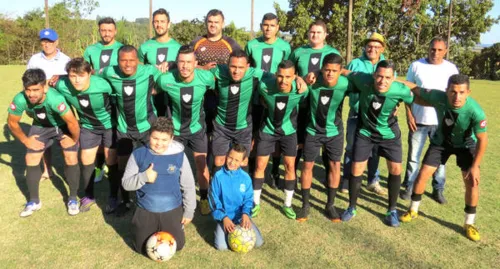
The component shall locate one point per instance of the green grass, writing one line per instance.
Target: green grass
(52, 239)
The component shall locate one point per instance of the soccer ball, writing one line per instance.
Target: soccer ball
(161, 246)
(242, 240)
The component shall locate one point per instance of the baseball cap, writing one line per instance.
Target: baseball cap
(376, 37)
(48, 34)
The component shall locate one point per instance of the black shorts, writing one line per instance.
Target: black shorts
(266, 144)
(90, 139)
(146, 223)
(126, 143)
(197, 142)
(223, 137)
(47, 134)
(437, 155)
(390, 149)
(333, 145)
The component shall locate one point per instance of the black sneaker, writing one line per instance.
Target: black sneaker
(123, 208)
(303, 213)
(438, 196)
(275, 181)
(332, 214)
(405, 194)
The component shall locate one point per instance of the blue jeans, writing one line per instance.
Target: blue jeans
(220, 241)
(373, 172)
(416, 142)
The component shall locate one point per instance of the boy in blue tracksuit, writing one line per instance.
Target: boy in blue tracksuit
(163, 180)
(231, 198)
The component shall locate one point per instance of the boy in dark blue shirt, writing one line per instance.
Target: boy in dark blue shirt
(231, 198)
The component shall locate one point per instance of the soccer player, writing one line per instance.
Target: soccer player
(160, 174)
(372, 55)
(186, 87)
(379, 96)
(90, 96)
(105, 52)
(160, 51)
(282, 100)
(325, 129)
(53, 62)
(266, 52)
(462, 132)
(132, 85)
(52, 118)
(231, 198)
(432, 72)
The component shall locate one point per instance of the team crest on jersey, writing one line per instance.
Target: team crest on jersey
(41, 116)
(266, 58)
(314, 61)
(280, 105)
(448, 122)
(161, 57)
(482, 124)
(105, 58)
(61, 107)
(243, 188)
(235, 89)
(84, 103)
(186, 97)
(203, 49)
(128, 90)
(376, 105)
(324, 100)
(171, 168)
(12, 106)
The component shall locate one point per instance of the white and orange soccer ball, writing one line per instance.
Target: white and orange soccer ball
(161, 246)
(242, 240)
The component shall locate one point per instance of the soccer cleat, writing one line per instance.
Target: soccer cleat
(73, 208)
(204, 207)
(405, 195)
(99, 174)
(408, 216)
(30, 208)
(255, 210)
(289, 213)
(391, 218)
(375, 187)
(332, 214)
(111, 206)
(438, 196)
(303, 213)
(472, 232)
(348, 214)
(86, 203)
(123, 208)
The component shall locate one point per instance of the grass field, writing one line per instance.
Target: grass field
(52, 239)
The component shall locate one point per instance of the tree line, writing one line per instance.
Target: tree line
(407, 25)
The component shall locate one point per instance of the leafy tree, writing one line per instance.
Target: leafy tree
(185, 31)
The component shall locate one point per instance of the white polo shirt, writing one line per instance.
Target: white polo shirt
(429, 76)
(54, 66)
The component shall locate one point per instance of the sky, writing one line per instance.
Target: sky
(237, 11)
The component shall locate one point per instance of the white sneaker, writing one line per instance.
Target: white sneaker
(376, 188)
(30, 208)
(73, 208)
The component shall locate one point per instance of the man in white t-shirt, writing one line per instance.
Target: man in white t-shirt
(53, 62)
(432, 72)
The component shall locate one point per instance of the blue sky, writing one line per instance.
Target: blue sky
(234, 10)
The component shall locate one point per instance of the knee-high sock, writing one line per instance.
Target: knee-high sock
(33, 174)
(332, 192)
(100, 159)
(88, 174)
(73, 178)
(394, 183)
(289, 190)
(114, 181)
(257, 189)
(354, 187)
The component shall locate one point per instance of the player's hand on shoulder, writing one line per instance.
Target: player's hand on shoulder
(163, 67)
(301, 85)
(67, 142)
(34, 144)
(245, 221)
(151, 173)
(53, 80)
(208, 66)
(310, 78)
(228, 225)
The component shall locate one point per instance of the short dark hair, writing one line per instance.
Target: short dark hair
(386, 64)
(238, 54)
(163, 125)
(459, 79)
(127, 48)
(270, 17)
(34, 76)
(318, 23)
(162, 11)
(185, 49)
(240, 149)
(78, 65)
(214, 12)
(286, 64)
(106, 20)
(332, 58)
(438, 39)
